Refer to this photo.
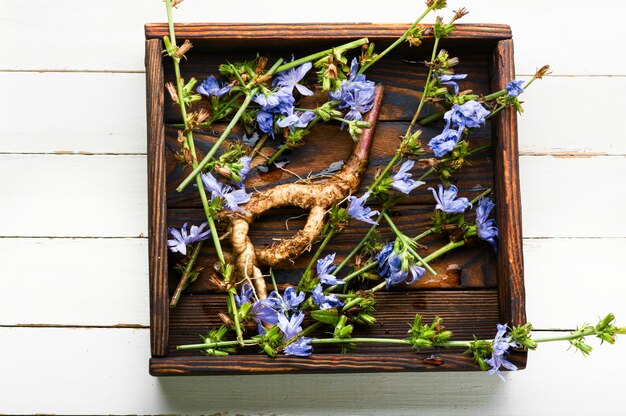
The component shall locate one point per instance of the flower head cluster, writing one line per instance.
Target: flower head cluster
(292, 77)
(281, 102)
(231, 198)
(402, 180)
(485, 227)
(181, 238)
(282, 311)
(500, 348)
(470, 114)
(268, 310)
(449, 79)
(211, 86)
(291, 327)
(355, 94)
(446, 201)
(514, 88)
(395, 266)
(324, 268)
(358, 210)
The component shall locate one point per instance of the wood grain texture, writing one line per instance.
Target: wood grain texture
(508, 199)
(209, 48)
(159, 302)
(316, 31)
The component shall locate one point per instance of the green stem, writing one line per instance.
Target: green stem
(443, 250)
(218, 143)
(355, 273)
(360, 341)
(396, 43)
(484, 194)
(384, 172)
(319, 55)
(304, 332)
(305, 275)
(496, 111)
(359, 246)
(186, 274)
(279, 152)
(235, 313)
(216, 237)
(432, 117)
(189, 136)
(424, 94)
(407, 242)
(246, 342)
(422, 235)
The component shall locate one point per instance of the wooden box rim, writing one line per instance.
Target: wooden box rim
(511, 296)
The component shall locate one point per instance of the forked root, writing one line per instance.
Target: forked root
(317, 198)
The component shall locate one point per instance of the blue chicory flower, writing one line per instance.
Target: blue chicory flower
(447, 203)
(359, 211)
(355, 93)
(265, 121)
(297, 119)
(181, 239)
(450, 80)
(324, 267)
(402, 179)
(280, 101)
(211, 86)
(470, 114)
(514, 88)
(444, 142)
(232, 198)
(486, 228)
(292, 77)
(301, 347)
(291, 326)
(500, 348)
(395, 271)
(247, 294)
(325, 301)
(245, 169)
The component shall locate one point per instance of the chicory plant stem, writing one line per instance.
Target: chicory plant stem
(305, 275)
(235, 313)
(359, 246)
(397, 42)
(482, 195)
(186, 274)
(279, 152)
(319, 55)
(407, 241)
(424, 93)
(218, 143)
(189, 136)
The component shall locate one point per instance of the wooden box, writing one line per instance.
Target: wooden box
(482, 289)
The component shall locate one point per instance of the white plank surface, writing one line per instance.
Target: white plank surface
(574, 228)
(553, 32)
(99, 282)
(99, 113)
(73, 196)
(75, 371)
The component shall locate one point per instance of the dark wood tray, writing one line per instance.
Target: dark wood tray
(485, 288)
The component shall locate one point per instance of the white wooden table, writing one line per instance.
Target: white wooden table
(74, 334)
